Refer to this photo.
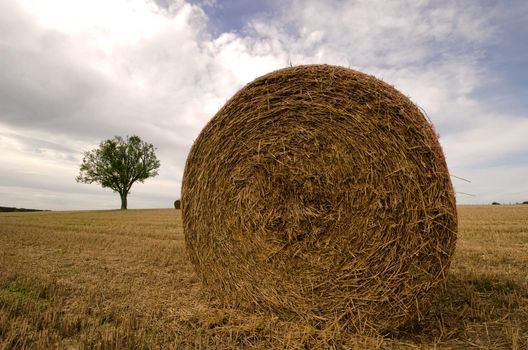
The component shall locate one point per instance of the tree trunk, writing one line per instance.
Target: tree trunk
(123, 200)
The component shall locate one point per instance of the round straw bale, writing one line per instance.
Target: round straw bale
(320, 192)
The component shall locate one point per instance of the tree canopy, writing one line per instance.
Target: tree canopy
(118, 163)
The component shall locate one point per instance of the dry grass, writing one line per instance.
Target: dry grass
(121, 280)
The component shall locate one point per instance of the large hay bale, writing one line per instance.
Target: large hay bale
(322, 192)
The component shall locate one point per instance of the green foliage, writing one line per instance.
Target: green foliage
(118, 163)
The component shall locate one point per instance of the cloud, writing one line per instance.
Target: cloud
(76, 73)
(436, 53)
(73, 73)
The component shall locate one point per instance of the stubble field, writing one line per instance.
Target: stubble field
(121, 280)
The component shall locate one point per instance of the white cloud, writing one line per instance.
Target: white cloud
(434, 53)
(75, 72)
(78, 72)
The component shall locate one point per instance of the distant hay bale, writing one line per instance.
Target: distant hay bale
(177, 204)
(321, 192)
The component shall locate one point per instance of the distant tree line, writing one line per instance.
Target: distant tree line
(497, 203)
(13, 209)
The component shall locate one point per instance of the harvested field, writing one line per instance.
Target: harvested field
(121, 280)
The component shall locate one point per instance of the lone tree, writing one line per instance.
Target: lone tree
(118, 163)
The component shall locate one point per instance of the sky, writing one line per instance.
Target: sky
(75, 72)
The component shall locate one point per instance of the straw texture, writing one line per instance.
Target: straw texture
(322, 193)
